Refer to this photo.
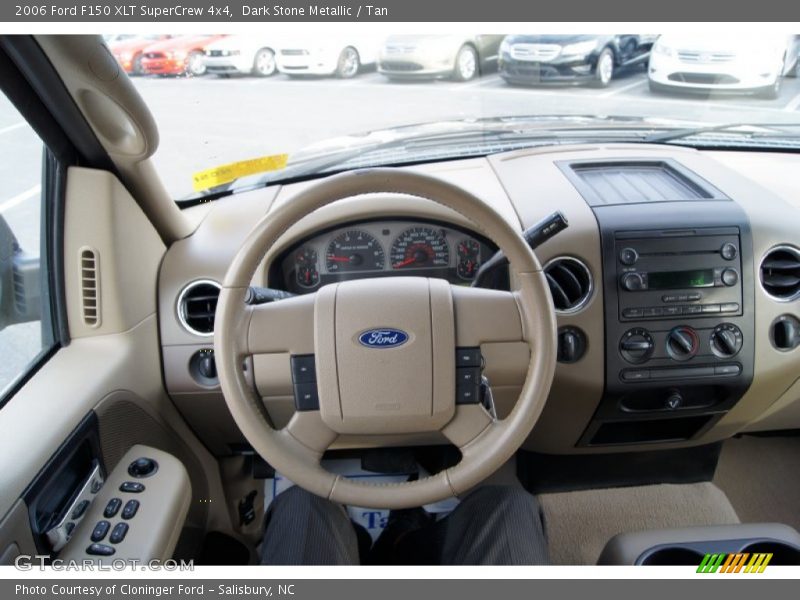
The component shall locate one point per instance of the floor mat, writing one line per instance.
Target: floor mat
(578, 524)
(761, 476)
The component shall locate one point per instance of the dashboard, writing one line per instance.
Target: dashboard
(379, 249)
(676, 288)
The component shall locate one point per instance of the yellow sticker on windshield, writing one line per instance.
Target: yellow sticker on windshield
(204, 180)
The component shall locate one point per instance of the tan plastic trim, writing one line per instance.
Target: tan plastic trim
(121, 121)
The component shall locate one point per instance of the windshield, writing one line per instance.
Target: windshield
(236, 111)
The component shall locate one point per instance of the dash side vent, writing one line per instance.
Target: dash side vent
(197, 306)
(90, 286)
(570, 283)
(780, 273)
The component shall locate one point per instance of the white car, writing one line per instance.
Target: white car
(241, 55)
(735, 63)
(339, 56)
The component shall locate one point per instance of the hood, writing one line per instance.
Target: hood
(734, 44)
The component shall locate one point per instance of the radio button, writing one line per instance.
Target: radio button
(692, 309)
(628, 256)
(632, 313)
(672, 298)
(729, 307)
(710, 308)
(693, 297)
(730, 277)
(671, 311)
(728, 251)
(652, 311)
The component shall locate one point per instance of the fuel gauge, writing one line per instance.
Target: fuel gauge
(307, 273)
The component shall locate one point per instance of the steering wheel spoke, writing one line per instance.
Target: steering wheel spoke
(285, 326)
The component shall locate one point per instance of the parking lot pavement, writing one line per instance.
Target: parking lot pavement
(208, 121)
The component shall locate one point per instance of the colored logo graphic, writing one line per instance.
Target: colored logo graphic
(383, 338)
(734, 563)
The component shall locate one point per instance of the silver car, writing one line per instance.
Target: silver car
(460, 57)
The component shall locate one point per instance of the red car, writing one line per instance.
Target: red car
(128, 51)
(182, 55)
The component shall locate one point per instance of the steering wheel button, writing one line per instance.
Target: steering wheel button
(468, 357)
(467, 393)
(306, 397)
(467, 375)
(303, 369)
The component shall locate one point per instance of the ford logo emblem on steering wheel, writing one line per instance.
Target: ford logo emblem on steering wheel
(383, 338)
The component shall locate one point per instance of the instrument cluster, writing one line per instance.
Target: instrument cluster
(384, 248)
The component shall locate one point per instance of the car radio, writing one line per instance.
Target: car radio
(667, 277)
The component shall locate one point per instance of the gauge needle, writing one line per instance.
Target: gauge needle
(339, 258)
(406, 262)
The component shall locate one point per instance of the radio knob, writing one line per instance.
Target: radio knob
(682, 343)
(628, 256)
(728, 251)
(636, 346)
(730, 277)
(632, 282)
(726, 340)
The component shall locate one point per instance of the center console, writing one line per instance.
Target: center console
(679, 302)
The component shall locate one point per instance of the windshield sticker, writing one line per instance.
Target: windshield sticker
(216, 176)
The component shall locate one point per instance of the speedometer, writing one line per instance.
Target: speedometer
(354, 250)
(420, 247)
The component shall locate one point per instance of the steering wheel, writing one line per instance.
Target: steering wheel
(385, 351)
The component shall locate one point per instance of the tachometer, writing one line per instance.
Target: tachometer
(420, 247)
(354, 250)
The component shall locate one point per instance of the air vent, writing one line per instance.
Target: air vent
(780, 273)
(197, 305)
(90, 287)
(570, 283)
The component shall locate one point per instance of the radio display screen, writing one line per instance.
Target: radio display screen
(668, 280)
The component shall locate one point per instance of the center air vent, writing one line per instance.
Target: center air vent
(780, 273)
(570, 283)
(197, 304)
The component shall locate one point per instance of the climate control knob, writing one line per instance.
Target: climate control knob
(726, 340)
(682, 343)
(636, 346)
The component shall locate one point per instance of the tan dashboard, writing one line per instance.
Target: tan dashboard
(523, 187)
